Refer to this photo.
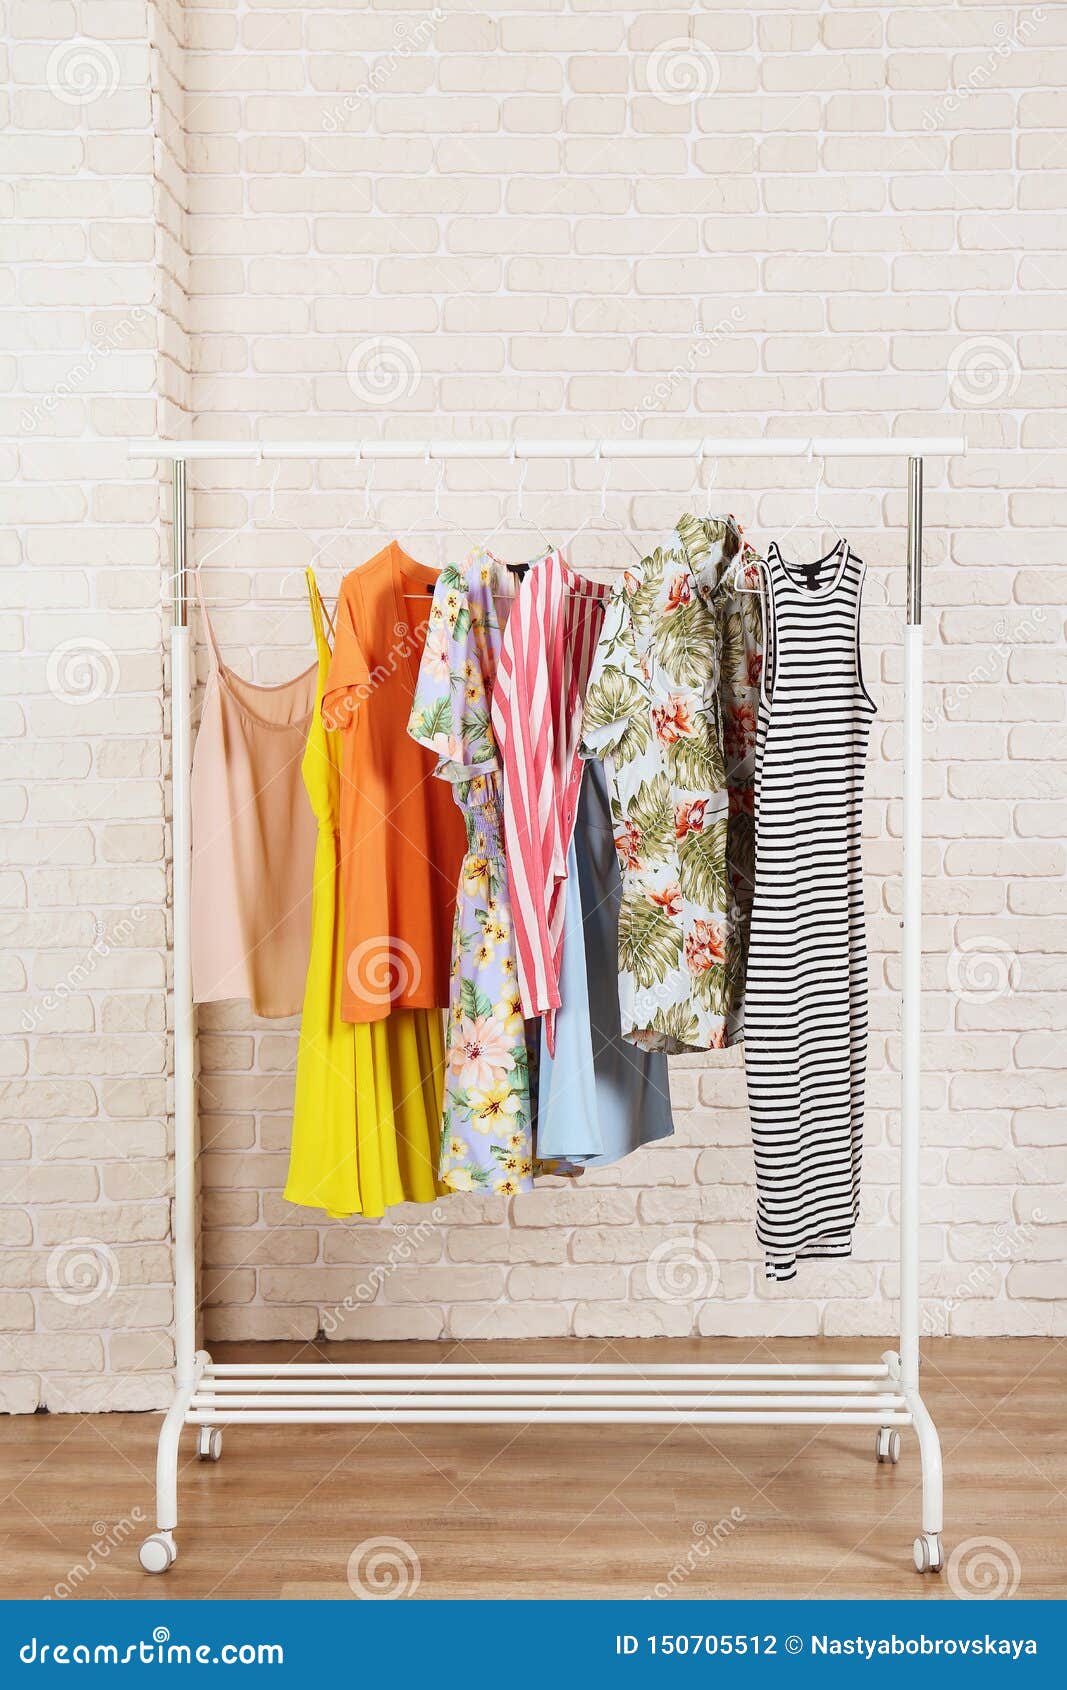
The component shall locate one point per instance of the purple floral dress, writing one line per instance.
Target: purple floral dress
(486, 1129)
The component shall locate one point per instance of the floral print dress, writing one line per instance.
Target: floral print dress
(671, 708)
(487, 1130)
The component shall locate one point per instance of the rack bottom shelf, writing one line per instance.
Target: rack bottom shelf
(452, 1394)
(546, 1394)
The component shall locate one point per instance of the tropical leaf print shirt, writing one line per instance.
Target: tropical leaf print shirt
(671, 708)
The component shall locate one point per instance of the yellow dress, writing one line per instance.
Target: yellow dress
(367, 1112)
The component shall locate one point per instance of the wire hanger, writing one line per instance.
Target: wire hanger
(439, 515)
(404, 533)
(830, 523)
(810, 569)
(713, 480)
(292, 585)
(606, 520)
(520, 520)
(294, 581)
(225, 541)
(370, 509)
(420, 593)
(735, 576)
(747, 560)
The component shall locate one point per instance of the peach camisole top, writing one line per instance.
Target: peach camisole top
(253, 839)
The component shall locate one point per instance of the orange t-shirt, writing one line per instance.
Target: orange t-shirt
(402, 836)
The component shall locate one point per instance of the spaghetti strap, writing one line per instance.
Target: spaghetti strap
(320, 617)
(213, 644)
(766, 605)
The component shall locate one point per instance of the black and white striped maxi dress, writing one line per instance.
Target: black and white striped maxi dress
(806, 992)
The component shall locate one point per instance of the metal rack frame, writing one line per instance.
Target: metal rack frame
(883, 1394)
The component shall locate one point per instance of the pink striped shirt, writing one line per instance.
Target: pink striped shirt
(547, 653)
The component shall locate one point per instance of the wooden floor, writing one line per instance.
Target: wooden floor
(557, 1511)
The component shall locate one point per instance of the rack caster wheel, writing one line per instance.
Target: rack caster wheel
(929, 1557)
(887, 1445)
(209, 1443)
(158, 1553)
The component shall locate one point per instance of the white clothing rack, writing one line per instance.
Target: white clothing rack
(883, 1394)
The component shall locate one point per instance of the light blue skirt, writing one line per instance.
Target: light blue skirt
(599, 1097)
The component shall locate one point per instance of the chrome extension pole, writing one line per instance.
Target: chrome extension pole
(911, 982)
(184, 1014)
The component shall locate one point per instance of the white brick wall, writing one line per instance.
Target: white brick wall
(842, 218)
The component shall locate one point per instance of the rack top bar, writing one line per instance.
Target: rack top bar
(697, 448)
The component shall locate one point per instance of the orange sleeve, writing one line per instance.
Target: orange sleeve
(348, 680)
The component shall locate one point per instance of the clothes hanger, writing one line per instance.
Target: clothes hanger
(520, 520)
(818, 488)
(370, 510)
(292, 585)
(225, 541)
(398, 539)
(738, 574)
(713, 480)
(842, 542)
(810, 568)
(439, 518)
(735, 578)
(438, 513)
(611, 521)
(294, 581)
